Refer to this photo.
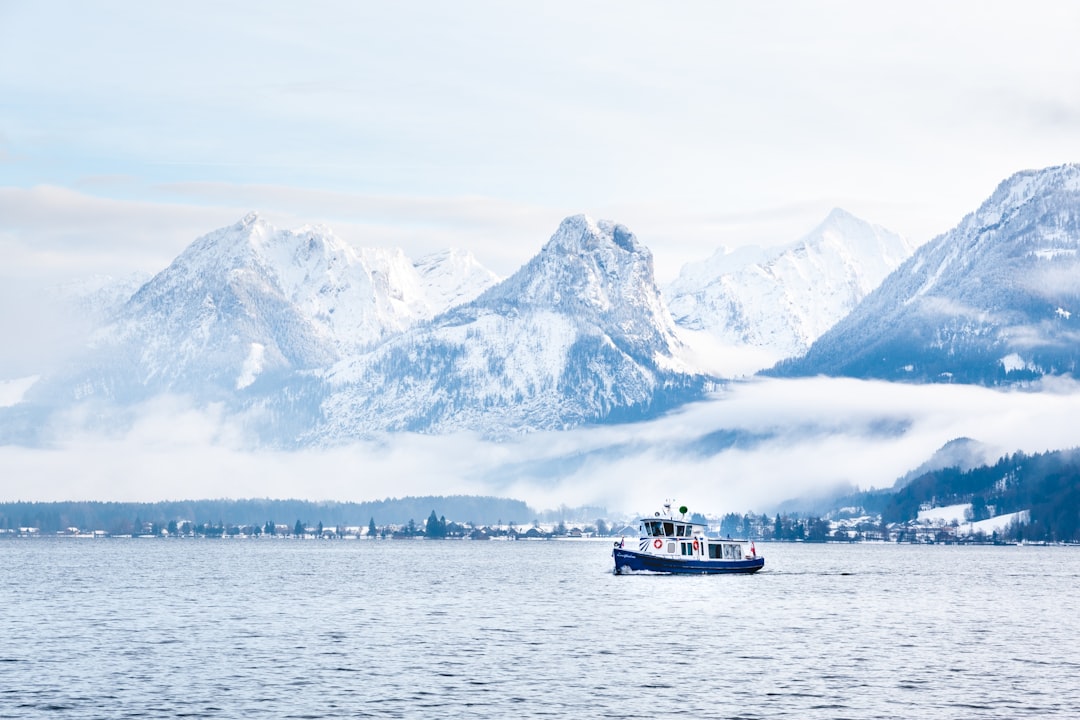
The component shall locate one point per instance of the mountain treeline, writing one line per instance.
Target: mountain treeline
(123, 517)
(1046, 484)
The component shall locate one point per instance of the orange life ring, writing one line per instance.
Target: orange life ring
(658, 543)
(695, 545)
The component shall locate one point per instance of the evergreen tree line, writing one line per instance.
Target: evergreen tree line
(252, 516)
(1046, 484)
(780, 528)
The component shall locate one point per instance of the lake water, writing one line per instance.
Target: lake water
(398, 629)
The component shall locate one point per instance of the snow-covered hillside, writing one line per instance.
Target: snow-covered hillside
(578, 335)
(452, 277)
(311, 340)
(993, 300)
(250, 302)
(779, 300)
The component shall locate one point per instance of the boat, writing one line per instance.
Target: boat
(671, 542)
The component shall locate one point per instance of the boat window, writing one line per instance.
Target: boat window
(669, 528)
(736, 552)
(727, 552)
(687, 548)
(714, 551)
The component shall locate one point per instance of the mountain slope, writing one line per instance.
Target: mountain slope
(250, 310)
(577, 335)
(991, 301)
(1046, 486)
(782, 299)
(306, 340)
(451, 277)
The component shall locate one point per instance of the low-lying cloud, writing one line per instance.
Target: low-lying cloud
(750, 447)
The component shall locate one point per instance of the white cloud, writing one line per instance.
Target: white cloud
(785, 438)
(1054, 280)
(55, 233)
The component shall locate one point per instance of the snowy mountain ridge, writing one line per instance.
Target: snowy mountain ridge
(579, 334)
(349, 297)
(313, 341)
(781, 299)
(250, 299)
(994, 300)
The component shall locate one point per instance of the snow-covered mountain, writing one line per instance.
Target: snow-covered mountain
(452, 277)
(250, 302)
(578, 335)
(993, 300)
(783, 298)
(310, 340)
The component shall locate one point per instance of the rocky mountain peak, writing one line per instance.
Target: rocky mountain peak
(597, 274)
(578, 335)
(582, 234)
(588, 264)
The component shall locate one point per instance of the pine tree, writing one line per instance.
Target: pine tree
(435, 528)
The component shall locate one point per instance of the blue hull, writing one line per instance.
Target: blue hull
(629, 560)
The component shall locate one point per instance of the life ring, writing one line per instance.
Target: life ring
(695, 545)
(658, 543)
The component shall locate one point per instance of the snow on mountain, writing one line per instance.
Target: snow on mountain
(251, 301)
(959, 515)
(578, 335)
(310, 340)
(13, 391)
(779, 300)
(598, 273)
(452, 277)
(993, 300)
(97, 299)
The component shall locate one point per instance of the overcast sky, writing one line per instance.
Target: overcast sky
(129, 128)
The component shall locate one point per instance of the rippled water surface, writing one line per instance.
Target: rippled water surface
(398, 629)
